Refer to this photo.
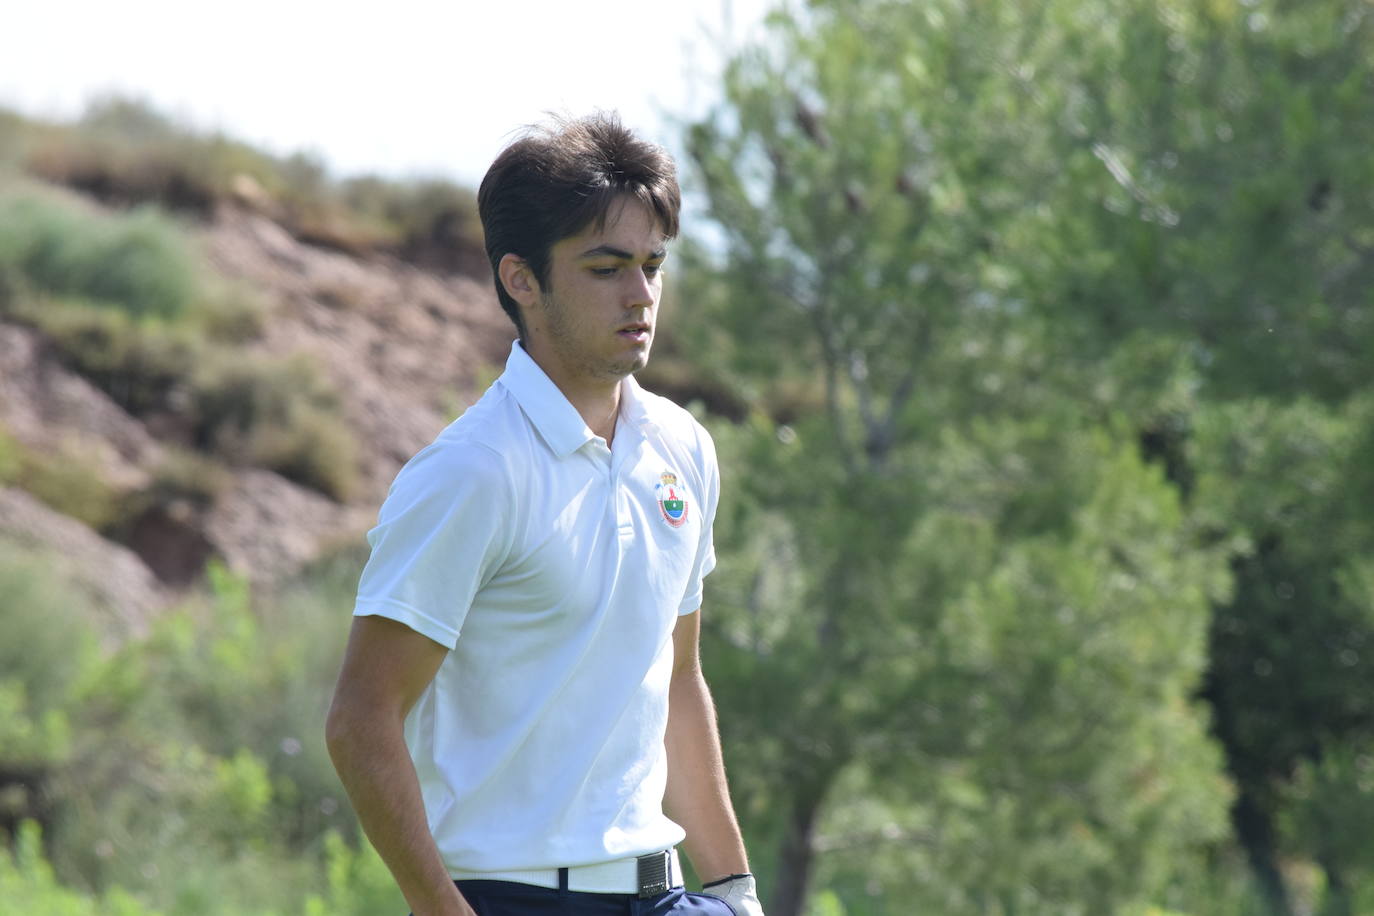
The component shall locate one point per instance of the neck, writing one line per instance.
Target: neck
(599, 409)
(597, 401)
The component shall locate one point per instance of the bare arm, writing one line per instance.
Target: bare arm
(386, 667)
(697, 797)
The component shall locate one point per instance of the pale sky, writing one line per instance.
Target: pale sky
(400, 87)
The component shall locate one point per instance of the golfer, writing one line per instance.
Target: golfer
(521, 720)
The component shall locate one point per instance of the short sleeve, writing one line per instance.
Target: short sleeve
(705, 559)
(441, 534)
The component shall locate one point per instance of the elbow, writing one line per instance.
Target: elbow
(340, 729)
(354, 728)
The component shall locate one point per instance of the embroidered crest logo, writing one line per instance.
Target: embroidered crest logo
(672, 499)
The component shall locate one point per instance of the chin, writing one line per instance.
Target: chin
(631, 366)
(633, 362)
(641, 360)
(619, 369)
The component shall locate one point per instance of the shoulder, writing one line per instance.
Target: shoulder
(448, 476)
(457, 458)
(469, 456)
(496, 418)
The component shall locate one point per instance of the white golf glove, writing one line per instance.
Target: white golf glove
(739, 891)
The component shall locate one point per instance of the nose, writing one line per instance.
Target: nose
(642, 289)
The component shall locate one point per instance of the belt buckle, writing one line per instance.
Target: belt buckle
(654, 874)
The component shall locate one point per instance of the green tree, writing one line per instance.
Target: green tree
(1290, 677)
(1208, 161)
(943, 211)
(950, 577)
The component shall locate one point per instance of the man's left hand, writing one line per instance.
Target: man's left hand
(739, 891)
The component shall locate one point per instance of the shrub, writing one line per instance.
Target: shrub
(123, 151)
(28, 885)
(252, 409)
(197, 780)
(32, 741)
(73, 485)
(200, 779)
(358, 883)
(229, 312)
(278, 413)
(137, 262)
(66, 481)
(47, 646)
(429, 222)
(47, 655)
(11, 458)
(142, 365)
(187, 476)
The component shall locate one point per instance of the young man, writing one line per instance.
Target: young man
(521, 721)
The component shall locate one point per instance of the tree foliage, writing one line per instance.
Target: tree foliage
(993, 276)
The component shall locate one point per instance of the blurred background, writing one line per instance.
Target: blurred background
(1037, 341)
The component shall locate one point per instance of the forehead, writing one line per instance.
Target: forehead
(629, 226)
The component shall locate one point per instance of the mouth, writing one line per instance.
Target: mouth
(638, 331)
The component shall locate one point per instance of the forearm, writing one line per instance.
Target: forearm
(698, 797)
(380, 780)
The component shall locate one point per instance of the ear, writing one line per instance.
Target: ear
(518, 279)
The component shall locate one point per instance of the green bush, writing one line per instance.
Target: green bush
(229, 312)
(122, 297)
(351, 882)
(140, 364)
(47, 655)
(66, 481)
(12, 456)
(252, 409)
(200, 781)
(138, 262)
(123, 151)
(27, 885)
(194, 780)
(277, 413)
(47, 645)
(430, 222)
(358, 883)
(185, 484)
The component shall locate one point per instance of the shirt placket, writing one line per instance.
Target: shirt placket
(623, 462)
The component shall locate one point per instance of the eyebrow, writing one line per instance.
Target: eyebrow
(610, 251)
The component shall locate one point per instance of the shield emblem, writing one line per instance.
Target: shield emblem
(672, 499)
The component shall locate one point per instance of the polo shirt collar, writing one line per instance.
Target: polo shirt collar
(552, 414)
(634, 408)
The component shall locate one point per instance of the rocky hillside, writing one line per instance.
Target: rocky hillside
(403, 348)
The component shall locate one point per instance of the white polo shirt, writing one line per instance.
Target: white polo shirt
(554, 568)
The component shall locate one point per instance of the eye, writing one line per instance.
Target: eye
(652, 270)
(604, 271)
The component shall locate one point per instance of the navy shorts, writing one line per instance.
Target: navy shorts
(508, 898)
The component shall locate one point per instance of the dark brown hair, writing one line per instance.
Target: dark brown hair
(555, 181)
